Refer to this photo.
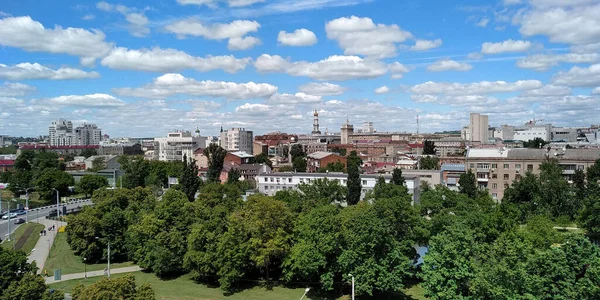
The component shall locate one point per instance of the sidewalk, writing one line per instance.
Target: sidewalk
(50, 279)
(39, 254)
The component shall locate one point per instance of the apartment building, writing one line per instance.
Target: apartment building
(271, 183)
(497, 168)
(61, 133)
(237, 139)
(177, 145)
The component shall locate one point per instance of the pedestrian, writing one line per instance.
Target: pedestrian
(44, 232)
(46, 272)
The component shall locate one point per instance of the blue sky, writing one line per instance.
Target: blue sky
(143, 68)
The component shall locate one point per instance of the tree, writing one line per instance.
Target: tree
(88, 152)
(321, 192)
(30, 286)
(337, 166)
(233, 176)
(299, 164)
(590, 216)
(593, 173)
(536, 143)
(340, 151)
(51, 179)
(263, 159)
(397, 178)
(354, 184)
(580, 187)
(24, 161)
(89, 183)
(428, 148)
(468, 184)
(98, 164)
(216, 157)
(297, 151)
(429, 163)
(555, 192)
(13, 266)
(136, 170)
(45, 160)
(189, 183)
(123, 288)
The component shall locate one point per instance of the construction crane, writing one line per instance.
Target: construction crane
(534, 121)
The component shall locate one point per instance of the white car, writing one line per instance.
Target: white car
(7, 216)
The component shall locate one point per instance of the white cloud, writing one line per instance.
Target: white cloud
(476, 88)
(26, 71)
(382, 90)
(291, 6)
(170, 60)
(173, 84)
(422, 45)
(475, 55)
(234, 31)
(361, 36)
(105, 6)
(571, 22)
(397, 69)
(333, 68)
(456, 101)
(543, 62)
(243, 43)
(10, 102)
(300, 37)
(512, 2)
(92, 100)
(252, 108)
(483, 22)
(578, 76)
(137, 21)
(9, 89)
(30, 35)
(506, 46)
(548, 90)
(448, 65)
(88, 17)
(298, 98)
(213, 3)
(596, 91)
(322, 89)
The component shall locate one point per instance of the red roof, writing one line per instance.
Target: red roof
(33, 147)
(416, 145)
(7, 162)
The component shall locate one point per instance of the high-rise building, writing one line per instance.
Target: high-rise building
(346, 131)
(177, 145)
(316, 123)
(88, 134)
(367, 127)
(237, 139)
(479, 128)
(61, 133)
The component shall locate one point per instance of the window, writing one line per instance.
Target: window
(364, 182)
(529, 167)
(272, 179)
(494, 166)
(266, 179)
(506, 177)
(518, 166)
(494, 196)
(506, 166)
(580, 167)
(518, 177)
(505, 185)
(494, 185)
(290, 180)
(471, 166)
(494, 176)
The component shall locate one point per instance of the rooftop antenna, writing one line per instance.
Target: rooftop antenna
(417, 124)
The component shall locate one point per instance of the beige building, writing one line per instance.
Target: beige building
(497, 168)
(479, 128)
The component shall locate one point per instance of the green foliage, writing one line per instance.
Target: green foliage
(88, 152)
(24, 161)
(397, 178)
(263, 159)
(429, 163)
(30, 286)
(299, 164)
(98, 164)
(189, 183)
(536, 143)
(353, 183)
(590, 216)
(556, 193)
(216, 157)
(18, 279)
(136, 170)
(297, 151)
(11, 149)
(51, 179)
(429, 147)
(340, 151)
(321, 192)
(115, 288)
(337, 166)
(468, 184)
(233, 176)
(593, 172)
(13, 265)
(89, 183)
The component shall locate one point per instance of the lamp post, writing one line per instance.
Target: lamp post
(57, 208)
(108, 257)
(27, 205)
(352, 285)
(85, 268)
(305, 292)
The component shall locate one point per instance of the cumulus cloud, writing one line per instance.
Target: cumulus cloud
(448, 65)
(361, 36)
(26, 71)
(137, 22)
(397, 69)
(543, 62)
(476, 88)
(506, 46)
(32, 36)
(456, 101)
(234, 32)
(214, 3)
(322, 89)
(548, 90)
(483, 22)
(9, 89)
(298, 98)
(422, 45)
(170, 60)
(333, 68)
(173, 84)
(300, 37)
(596, 91)
(92, 100)
(579, 76)
(382, 90)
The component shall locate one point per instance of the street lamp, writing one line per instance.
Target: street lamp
(108, 273)
(85, 268)
(27, 205)
(305, 292)
(57, 209)
(352, 285)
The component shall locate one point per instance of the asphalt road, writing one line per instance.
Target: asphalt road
(37, 213)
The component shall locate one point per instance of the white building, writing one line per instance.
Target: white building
(271, 183)
(176, 145)
(237, 139)
(367, 127)
(479, 128)
(60, 133)
(531, 132)
(88, 134)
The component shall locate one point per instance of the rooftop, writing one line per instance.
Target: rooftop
(332, 174)
(320, 154)
(453, 167)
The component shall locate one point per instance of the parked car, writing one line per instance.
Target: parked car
(9, 216)
(19, 221)
(21, 212)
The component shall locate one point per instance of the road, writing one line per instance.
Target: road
(35, 213)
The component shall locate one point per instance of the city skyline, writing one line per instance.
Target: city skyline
(267, 65)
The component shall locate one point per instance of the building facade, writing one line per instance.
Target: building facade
(177, 145)
(88, 134)
(237, 139)
(317, 160)
(479, 128)
(61, 133)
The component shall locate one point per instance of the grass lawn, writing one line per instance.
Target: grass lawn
(31, 240)
(62, 257)
(183, 288)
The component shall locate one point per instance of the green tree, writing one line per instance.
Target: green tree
(263, 159)
(123, 288)
(24, 161)
(337, 166)
(30, 286)
(136, 170)
(299, 164)
(429, 163)
(51, 179)
(11, 149)
(216, 157)
(89, 183)
(590, 216)
(321, 192)
(525, 194)
(536, 143)
(297, 151)
(593, 172)
(397, 177)
(468, 184)
(233, 176)
(98, 164)
(88, 152)
(13, 266)
(189, 183)
(555, 192)
(340, 151)
(44, 160)
(429, 147)
(353, 183)
(579, 185)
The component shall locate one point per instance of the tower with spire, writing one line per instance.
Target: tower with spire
(316, 123)
(346, 131)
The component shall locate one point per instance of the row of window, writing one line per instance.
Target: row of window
(495, 166)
